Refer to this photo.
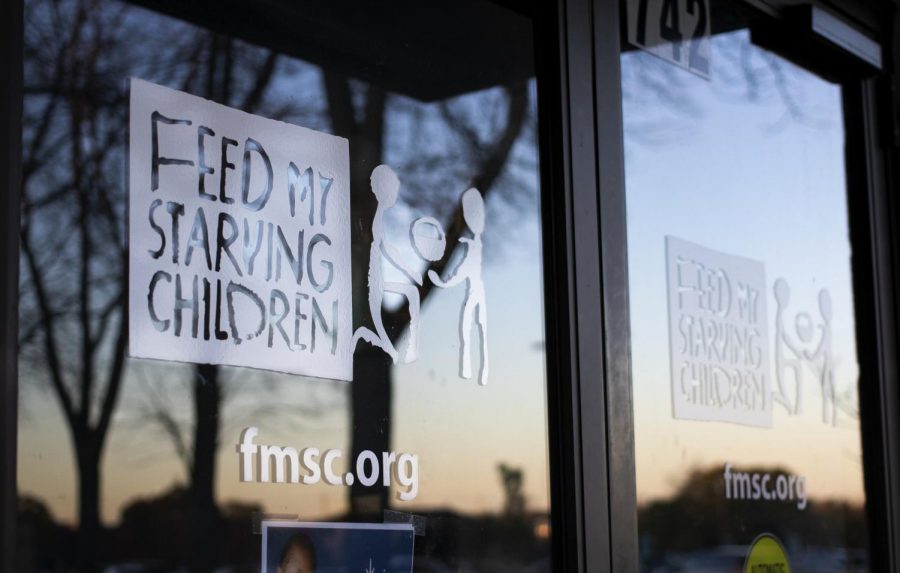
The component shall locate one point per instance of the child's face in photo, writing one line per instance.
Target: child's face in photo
(296, 561)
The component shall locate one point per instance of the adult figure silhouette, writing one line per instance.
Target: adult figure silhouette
(823, 359)
(469, 270)
(386, 188)
(787, 353)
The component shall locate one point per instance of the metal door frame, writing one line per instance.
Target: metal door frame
(873, 159)
(594, 513)
(10, 178)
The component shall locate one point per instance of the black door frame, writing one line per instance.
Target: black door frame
(10, 178)
(585, 285)
(872, 161)
(875, 237)
(589, 394)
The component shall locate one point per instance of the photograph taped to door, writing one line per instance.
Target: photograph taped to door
(677, 31)
(291, 547)
(239, 238)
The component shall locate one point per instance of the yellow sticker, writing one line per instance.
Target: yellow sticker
(767, 556)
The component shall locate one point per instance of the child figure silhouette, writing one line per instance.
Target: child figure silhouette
(469, 270)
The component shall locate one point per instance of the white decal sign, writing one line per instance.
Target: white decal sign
(239, 229)
(718, 336)
(798, 351)
(675, 30)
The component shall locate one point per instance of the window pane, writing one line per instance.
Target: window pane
(745, 371)
(134, 465)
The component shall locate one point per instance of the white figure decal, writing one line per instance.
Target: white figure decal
(469, 270)
(823, 361)
(386, 187)
(429, 248)
(787, 354)
(429, 242)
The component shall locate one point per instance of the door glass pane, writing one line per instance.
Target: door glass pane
(130, 464)
(745, 373)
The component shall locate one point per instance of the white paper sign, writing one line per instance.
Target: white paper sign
(718, 336)
(675, 30)
(239, 231)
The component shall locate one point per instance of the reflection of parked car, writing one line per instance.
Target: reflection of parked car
(730, 559)
(543, 565)
(831, 560)
(433, 565)
(139, 567)
(722, 559)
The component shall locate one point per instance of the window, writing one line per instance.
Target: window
(746, 402)
(131, 464)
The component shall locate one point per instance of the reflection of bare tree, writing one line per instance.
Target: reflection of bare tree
(74, 333)
(663, 102)
(207, 392)
(239, 77)
(512, 480)
(74, 328)
(244, 399)
(698, 520)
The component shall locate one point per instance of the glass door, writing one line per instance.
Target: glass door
(743, 326)
(281, 298)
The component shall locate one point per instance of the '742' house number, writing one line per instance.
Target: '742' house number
(676, 30)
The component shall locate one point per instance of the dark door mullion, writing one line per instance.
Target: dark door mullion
(10, 183)
(616, 337)
(577, 399)
(874, 237)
